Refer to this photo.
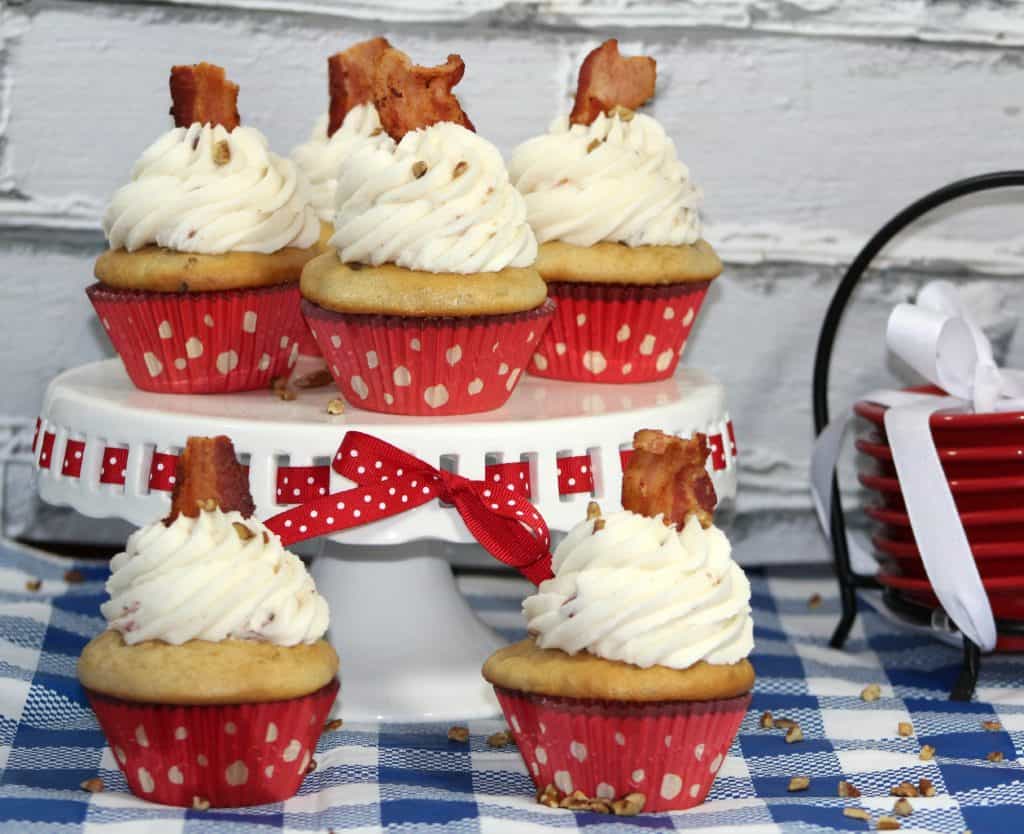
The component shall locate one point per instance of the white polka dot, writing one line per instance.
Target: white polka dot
(208, 320)
(227, 361)
(153, 365)
(268, 771)
(372, 360)
(627, 368)
(560, 348)
(671, 784)
(515, 724)
(165, 330)
(140, 736)
(436, 396)
(175, 776)
(336, 340)
(304, 763)
(694, 790)
(698, 751)
(415, 345)
(119, 753)
(664, 359)
(623, 333)
(563, 781)
(230, 728)
(293, 357)
(401, 376)
(284, 342)
(236, 773)
(360, 387)
(541, 754)
(180, 733)
(271, 732)
(535, 768)
(647, 345)
(264, 362)
(670, 313)
(605, 791)
(202, 761)
(688, 318)
(620, 739)
(594, 361)
(540, 361)
(581, 319)
(389, 399)
(146, 780)
(249, 321)
(513, 377)
(453, 355)
(668, 743)
(193, 348)
(638, 775)
(475, 386)
(503, 369)
(180, 363)
(291, 752)
(716, 763)
(543, 727)
(106, 324)
(578, 750)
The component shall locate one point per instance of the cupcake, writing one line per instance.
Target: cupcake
(616, 217)
(634, 680)
(212, 681)
(428, 302)
(199, 289)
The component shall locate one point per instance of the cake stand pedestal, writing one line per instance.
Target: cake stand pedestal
(411, 648)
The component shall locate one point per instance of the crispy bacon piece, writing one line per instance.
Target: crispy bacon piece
(208, 476)
(608, 79)
(350, 78)
(668, 475)
(409, 97)
(202, 93)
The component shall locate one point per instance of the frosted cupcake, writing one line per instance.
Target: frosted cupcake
(198, 291)
(635, 678)
(428, 302)
(212, 681)
(616, 216)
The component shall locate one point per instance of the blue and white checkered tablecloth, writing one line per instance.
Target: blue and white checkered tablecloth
(411, 778)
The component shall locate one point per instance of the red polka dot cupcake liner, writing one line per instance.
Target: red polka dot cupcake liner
(669, 751)
(202, 342)
(229, 755)
(427, 366)
(617, 333)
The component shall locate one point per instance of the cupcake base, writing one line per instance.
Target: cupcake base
(669, 751)
(227, 755)
(427, 366)
(617, 333)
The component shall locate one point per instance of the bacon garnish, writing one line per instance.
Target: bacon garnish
(409, 97)
(202, 93)
(668, 475)
(608, 79)
(209, 476)
(350, 78)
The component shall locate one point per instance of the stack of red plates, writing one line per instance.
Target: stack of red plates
(983, 459)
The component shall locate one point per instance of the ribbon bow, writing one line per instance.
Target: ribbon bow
(390, 481)
(940, 340)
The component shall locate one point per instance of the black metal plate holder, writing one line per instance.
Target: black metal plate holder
(849, 580)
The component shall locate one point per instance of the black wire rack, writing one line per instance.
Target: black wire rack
(849, 580)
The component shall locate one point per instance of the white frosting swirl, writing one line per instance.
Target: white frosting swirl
(644, 593)
(197, 579)
(321, 157)
(439, 221)
(613, 180)
(182, 199)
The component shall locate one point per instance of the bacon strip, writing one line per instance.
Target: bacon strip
(608, 79)
(350, 78)
(668, 475)
(202, 93)
(208, 476)
(409, 97)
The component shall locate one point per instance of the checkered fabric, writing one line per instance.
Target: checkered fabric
(411, 778)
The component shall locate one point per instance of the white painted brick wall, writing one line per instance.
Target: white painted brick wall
(808, 122)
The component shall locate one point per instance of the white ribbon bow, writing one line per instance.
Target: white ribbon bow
(939, 339)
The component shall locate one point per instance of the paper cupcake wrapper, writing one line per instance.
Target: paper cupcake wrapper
(228, 755)
(305, 338)
(617, 333)
(202, 342)
(427, 366)
(668, 751)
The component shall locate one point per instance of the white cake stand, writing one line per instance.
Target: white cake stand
(411, 647)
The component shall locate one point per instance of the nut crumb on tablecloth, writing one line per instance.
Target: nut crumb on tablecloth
(200, 804)
(995, 756)
(904, 789)
(336, 406)
(927, 753)
(814, 601)
(500, 739)
(333, 724)
(857, 814)
(94, 785)
(902, 807)
(888, 824)
(871, 692)
(794, 734)
(905, 729)
(630, 805)
(457, 733)
(926, 787)
(848, 790)
(33, 584)
(799, 783)
(992, 726)
(74, 576)
(766, 722)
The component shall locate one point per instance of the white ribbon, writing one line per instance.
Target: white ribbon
(940, 340)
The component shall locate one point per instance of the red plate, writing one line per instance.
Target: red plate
(905, 555)
(1006, 594)
(971, 521)
(1005, 494)
(952, 429)
(974, 463)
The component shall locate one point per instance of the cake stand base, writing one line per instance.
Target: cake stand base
(411, 648)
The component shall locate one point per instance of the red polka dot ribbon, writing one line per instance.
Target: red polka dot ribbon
(391, 481)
